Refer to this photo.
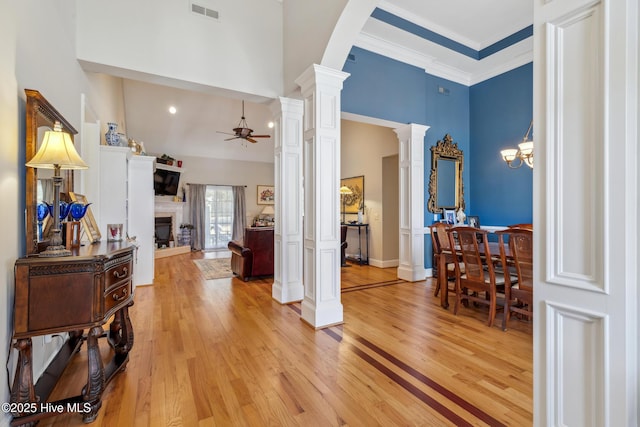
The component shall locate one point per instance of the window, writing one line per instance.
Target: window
(219, 209)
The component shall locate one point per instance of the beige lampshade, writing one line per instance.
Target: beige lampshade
(526, 148)
(268, 210)
(509, 154)
(57, 150)
(345, 190)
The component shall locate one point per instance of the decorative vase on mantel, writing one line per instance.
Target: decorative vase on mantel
(112, 137)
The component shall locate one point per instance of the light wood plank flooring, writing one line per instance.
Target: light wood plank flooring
(224, 353)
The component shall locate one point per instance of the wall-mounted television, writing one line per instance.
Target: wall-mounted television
(166, 182)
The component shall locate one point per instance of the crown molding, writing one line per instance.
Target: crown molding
(408, 56)
(507, 59)
(507, 29)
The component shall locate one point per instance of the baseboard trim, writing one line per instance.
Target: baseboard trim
(384, 263)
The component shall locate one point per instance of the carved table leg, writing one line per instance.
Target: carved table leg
(122, 329)
(92, 391)
(23, 390)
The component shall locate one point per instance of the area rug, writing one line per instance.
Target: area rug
(214, 268)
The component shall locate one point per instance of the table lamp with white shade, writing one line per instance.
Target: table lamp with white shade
(268, 211)
(56, 152)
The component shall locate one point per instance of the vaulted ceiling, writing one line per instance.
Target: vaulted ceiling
(465, 41)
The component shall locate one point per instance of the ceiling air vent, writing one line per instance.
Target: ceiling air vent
(205, 11)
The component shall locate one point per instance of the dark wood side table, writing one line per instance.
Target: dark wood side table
(70, 294)
(360, 259)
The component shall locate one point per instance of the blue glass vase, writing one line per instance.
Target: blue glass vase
(78, 210)
(64, 209)
(42, 211)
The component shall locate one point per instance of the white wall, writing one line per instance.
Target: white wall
(11, 181)
(363, 147)
(166, 39)
(307, 29)
(107, 102)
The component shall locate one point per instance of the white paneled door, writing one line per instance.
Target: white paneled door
(586, 212)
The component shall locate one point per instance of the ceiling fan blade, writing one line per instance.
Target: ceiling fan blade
(251, 140)
(260, 136)
(226, 133)
(229, 139)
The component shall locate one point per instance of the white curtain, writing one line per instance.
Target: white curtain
(197, 204)
(239, 213)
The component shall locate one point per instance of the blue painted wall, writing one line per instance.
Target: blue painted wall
(482, 119)
(383, 88)
(501, 110)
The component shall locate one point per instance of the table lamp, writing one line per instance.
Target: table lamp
(344, 190)
(56, 152)
(268, 211)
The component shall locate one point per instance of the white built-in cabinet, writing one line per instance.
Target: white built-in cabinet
(126, 197)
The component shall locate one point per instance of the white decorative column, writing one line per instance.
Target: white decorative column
(287, 284)
(321, 88)
(411, 153)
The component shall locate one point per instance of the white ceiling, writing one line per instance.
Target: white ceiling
(193, 130)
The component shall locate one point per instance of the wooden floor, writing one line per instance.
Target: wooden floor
(224, 353)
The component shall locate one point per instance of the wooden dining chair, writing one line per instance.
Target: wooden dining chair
(518, 295)
(479, 283)
(526, 226)
(442, 253)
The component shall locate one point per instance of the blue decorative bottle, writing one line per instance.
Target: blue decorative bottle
(112, 136)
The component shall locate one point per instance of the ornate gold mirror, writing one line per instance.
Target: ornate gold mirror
(445, 183)
(40, 117)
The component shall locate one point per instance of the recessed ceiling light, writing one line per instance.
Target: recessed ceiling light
(270, 124)
(172, 109)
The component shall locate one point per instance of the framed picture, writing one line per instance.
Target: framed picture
(474, 221)
(88, 222)
(352, 203)
(450, 216)
(266, 195)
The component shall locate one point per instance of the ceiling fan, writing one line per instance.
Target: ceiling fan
(242, 131)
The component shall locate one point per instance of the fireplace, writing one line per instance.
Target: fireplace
(164, 231)
(170, 212)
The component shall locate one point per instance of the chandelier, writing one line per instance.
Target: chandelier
(524, 152)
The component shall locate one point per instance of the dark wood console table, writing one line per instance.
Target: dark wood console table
(360, 258)
(70, 294)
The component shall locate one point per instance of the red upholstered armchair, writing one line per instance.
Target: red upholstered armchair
(254, 256)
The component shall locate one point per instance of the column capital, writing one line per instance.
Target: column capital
(411, 130)
(283, 105)
(318, 74)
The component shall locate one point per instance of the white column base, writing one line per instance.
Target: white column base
(293, 292)
(323, 316)
(412, 274)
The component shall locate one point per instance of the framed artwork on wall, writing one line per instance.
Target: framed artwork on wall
(266, 195)
(353, 202)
